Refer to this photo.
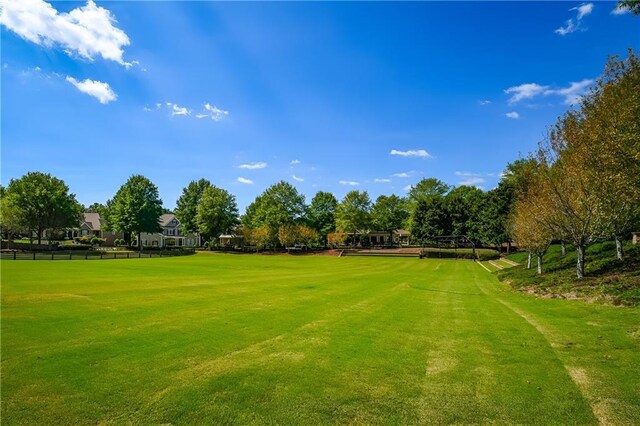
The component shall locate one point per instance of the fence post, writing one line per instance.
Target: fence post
(100, 255)
(14, 255)
(52, 255)
(139, 255)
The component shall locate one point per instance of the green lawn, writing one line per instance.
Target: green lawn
(215, 338)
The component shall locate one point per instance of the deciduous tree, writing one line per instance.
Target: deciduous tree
(216, 212)
(187, 204)
(135, 208)
(354, 212)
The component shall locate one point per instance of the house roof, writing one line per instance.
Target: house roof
(165, 220)
(93, 221)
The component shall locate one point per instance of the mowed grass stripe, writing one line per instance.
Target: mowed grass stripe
(267, 339)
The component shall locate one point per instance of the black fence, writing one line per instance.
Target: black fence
(92, 254)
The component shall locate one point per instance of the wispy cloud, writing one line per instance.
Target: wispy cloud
(513, 115)
(245, 181)
(294, 162)
(467, 174)
(524, 91)
(381, 180)
(401, 175)
(472, 181)
(87, 31)
(407, 188)
(214, 112)
(178, 110)
(574, 92)
(571, 94)
(411, 153)
(98, 89)
(572, 25)
(484, 102)
(253, 166)
(297, 179)
(349, 183)
(208, 110)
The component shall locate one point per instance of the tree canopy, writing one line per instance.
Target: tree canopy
(217, 212)
(135, 208)
(38, 201)
(187, 205)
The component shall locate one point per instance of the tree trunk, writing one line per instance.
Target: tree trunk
(619, 253)
(580, 265)
(539, 264)
(564, 248)
(529, 260)
(508, 247)
(140, 241)
(39, 236)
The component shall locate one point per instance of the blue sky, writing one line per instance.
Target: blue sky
(328, 96)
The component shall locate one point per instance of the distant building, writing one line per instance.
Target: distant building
(93, 226)
(171, 235)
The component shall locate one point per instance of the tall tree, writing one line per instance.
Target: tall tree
(495, 213)
(354, 212)
(95, 208)
(464, 205)
(321, 213)
(430, 219)
(217, 212)
(10, 215)
(187, 204)
(610, 145)
(135, 208)
(389, 213)
(278, 205)
(43, 203)
(567, 186)
(427, 187)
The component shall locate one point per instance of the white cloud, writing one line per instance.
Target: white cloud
(245, 181)
(619, 11)
(411, 153)
(298, 179)
(513, 115)
(525, 91)
(216, 113)
(472, 181)
(88, 31)
(572, 26)
(294, 162)
(253, 166)
(467, 174)
(407, 188)
(571, 93)
(349, 183)
(484, 102)
(381, 180)
(201, 115)
(574, 92)
(401, 175)
(99, 90)
(178, 110)
(583, 10)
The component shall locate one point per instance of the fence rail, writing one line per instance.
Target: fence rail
(90, 255)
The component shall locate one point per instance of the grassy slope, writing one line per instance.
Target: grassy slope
(267, 339)
(608, 280)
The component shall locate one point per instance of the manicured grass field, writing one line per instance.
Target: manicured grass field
(242, 339)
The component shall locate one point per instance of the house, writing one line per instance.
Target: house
(171, 234)
(92, 226)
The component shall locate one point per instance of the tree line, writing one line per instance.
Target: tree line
(583, 183)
